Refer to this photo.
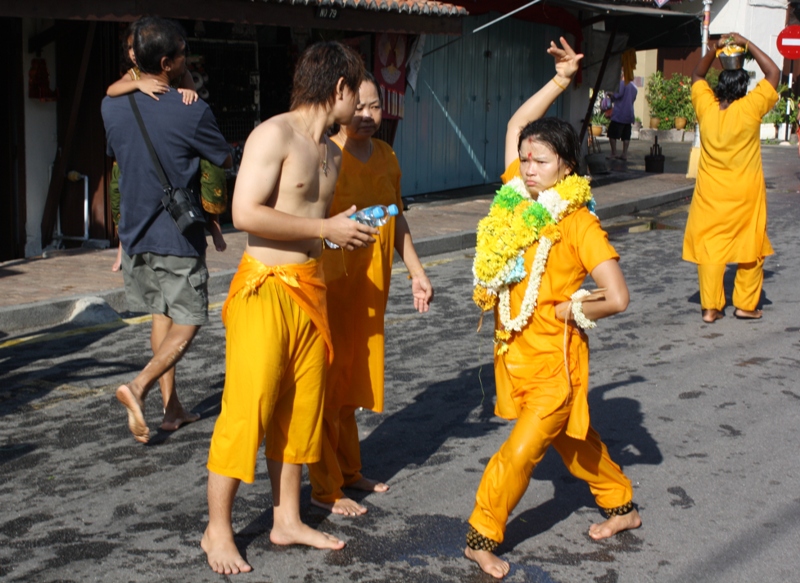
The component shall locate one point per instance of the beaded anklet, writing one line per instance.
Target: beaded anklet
(477, 542)
(619, 510)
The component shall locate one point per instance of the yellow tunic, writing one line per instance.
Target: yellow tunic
(728, 216)
(535, 357)
(358, 283)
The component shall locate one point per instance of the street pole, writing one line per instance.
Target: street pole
(694, 156)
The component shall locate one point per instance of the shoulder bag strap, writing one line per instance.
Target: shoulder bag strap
(159, 169)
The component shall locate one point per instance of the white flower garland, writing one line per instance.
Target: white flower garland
(577, 310)
(531, 292)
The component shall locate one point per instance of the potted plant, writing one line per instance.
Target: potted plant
(654, 94)
(668, 99)
(599, 121)
(777, 115)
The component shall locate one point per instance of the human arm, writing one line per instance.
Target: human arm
(567, 63)
(421, 288)
(186, 88)
(257, 184)
(607, 275)
(702, 67)
(126, 84)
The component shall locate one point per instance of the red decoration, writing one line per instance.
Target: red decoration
(39, 82)
(390, 72)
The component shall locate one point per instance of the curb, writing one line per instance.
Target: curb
(39, 315)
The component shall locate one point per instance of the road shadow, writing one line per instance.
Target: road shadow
(414, 436)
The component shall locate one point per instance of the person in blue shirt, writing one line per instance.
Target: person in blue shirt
(164, 270)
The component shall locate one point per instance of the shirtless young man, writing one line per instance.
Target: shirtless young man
(278, 340)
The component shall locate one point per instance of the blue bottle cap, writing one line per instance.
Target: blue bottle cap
(392, 210)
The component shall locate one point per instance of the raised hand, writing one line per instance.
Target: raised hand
(566, 60)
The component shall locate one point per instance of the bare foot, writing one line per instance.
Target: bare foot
(623, 158)
(223, 556)
(747, 314)
(488, 562)
(303, 534)
(134, 406)
(615, 524)
(367, 485)
(170, 423)
(711, 316)
(118, 260)
(344, 506)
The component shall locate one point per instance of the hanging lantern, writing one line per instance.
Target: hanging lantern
(39, 82)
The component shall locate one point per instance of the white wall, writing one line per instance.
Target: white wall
(40, 140)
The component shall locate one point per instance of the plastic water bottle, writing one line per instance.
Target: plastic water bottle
(373, 216)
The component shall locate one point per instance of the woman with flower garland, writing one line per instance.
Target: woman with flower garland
(534, 250)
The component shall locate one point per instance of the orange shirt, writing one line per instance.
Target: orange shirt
(358, 283)
(535, 355)
(728, 217)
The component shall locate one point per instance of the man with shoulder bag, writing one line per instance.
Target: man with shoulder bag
(163, 260)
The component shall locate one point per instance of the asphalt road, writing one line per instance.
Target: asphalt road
(702, 418)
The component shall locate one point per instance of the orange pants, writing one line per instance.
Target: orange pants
(508, 473)
(275, 367)
(746, 288)
(340, 462)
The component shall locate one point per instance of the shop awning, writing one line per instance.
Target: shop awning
(410, 16)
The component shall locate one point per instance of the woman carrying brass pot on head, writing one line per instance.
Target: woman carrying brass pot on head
(728, 216)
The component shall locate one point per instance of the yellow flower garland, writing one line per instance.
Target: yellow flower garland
(514, 223)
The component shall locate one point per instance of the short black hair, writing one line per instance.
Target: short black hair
(155, 38)
(732, 85)
(558, 135)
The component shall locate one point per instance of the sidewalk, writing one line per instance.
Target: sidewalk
(40, 292)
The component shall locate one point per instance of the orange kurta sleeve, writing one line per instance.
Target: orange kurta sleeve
(358, 283)
(728, 216)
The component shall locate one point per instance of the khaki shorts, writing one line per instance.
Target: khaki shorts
(176, 287)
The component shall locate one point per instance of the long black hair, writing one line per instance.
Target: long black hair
(558, 135)
(732, 85)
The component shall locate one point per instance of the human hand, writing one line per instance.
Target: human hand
(567, 62)
(152, 87)
(422, 290)
(347, 233)
(189, 95)
(564, 311)
(732, 38)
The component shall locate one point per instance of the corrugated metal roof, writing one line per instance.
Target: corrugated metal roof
(417, 7)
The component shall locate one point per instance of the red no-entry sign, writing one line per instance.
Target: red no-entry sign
(789, 42)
